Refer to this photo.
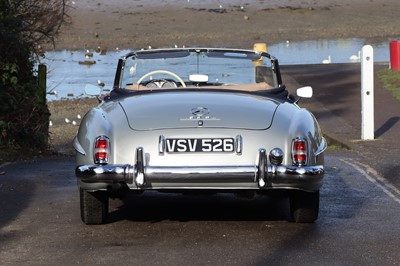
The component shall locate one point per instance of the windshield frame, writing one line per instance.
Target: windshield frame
(209, 52)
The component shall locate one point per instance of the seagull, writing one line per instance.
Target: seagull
(88, 54)
(74, 122)
(79, 116)
(50, 123)
(327, 61)
(100, 83)
(67, 121)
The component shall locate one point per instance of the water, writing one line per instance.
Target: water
(315, 52)
(67, 78)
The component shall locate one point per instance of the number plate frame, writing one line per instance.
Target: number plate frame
(200, 145)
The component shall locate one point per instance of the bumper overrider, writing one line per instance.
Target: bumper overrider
(302, 177)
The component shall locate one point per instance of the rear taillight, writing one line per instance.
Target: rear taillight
(299, 151)
(101, 150)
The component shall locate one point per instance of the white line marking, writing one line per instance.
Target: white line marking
(375, 178)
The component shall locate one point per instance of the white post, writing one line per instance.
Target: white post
(367, 93)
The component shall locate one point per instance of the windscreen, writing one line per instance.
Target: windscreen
(196, 68)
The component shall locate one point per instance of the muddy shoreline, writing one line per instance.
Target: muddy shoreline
(139, 24)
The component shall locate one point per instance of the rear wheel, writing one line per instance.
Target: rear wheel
(304, 206)
(94, 206)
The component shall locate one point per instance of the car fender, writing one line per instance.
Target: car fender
(296, 122)
(95, 123)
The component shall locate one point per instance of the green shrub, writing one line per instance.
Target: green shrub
(24, 115)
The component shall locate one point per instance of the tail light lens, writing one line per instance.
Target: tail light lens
(101, 150)
(299, 151)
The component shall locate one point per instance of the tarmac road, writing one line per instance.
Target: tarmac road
(40, 223)
(358, 224)
(337, 106)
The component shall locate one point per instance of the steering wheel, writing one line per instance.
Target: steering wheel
(162, 72)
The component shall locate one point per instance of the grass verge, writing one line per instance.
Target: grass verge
(391, 81)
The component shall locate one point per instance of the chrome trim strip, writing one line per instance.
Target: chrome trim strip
(139, 167)
(262, 163)
(78, 147)
(322, 147)
(239, 144)
(161, 145)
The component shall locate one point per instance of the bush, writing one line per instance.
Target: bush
(24, 115)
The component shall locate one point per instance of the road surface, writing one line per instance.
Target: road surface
(40, 223)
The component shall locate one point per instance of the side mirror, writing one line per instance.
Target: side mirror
(92, 90)
(305, 92)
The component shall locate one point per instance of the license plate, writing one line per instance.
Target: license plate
(200, 145)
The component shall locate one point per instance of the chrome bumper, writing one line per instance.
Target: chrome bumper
(262, 174)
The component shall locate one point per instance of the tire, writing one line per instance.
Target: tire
(94, 206)
(304, 206)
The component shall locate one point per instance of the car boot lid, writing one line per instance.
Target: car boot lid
(198, 109)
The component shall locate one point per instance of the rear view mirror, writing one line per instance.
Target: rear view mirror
(198, 78)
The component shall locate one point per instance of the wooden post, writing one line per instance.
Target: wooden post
(42, 103)
(42, 81)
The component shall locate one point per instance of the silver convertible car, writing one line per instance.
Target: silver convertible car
(196, 120)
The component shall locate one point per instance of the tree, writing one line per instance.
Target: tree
(24, 26)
